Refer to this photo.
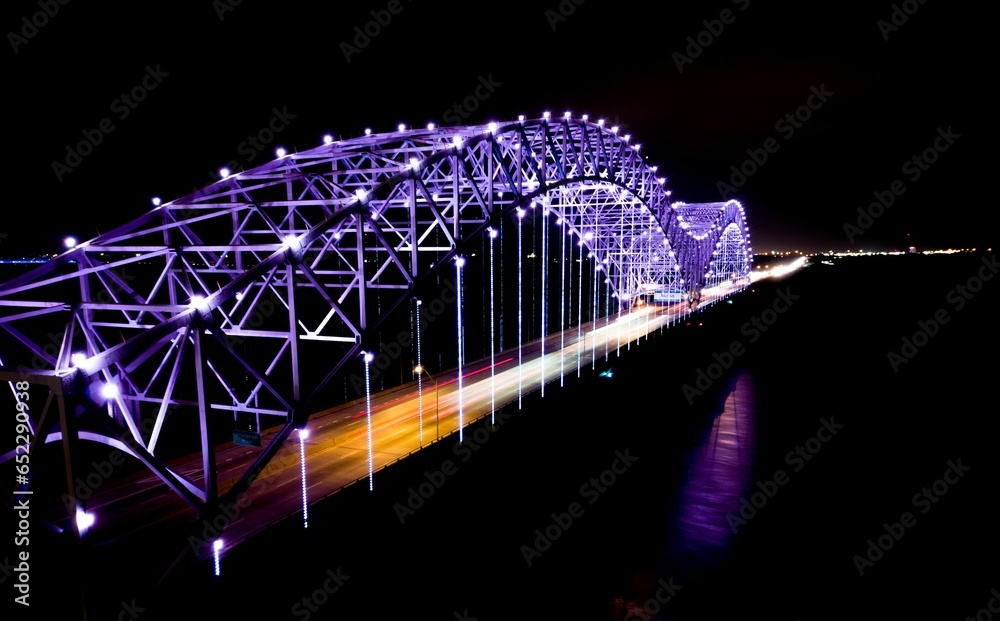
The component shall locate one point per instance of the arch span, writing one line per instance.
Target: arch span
(285, 259)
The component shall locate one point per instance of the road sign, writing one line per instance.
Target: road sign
(246, 438)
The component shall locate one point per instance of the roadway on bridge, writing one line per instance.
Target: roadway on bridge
(337, 447)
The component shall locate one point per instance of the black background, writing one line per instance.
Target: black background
(228, 68)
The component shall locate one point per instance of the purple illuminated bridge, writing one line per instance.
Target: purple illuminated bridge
(253, 299)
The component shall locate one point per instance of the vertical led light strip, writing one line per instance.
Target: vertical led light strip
(493, 362)
(303, 434)
(593, 352)
(420, 376)
(607, 313)
(545, 290)
(562, 298)
(368, 410)
(579, 310)
(459, 262)
(217, 551)
(520, 258)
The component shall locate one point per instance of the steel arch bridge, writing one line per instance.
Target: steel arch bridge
(287, 257)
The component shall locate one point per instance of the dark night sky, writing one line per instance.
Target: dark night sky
(225, 75)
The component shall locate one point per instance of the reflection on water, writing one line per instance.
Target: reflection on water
(718, 475)
(718, 472)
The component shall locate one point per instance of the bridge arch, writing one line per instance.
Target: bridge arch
(304, 257)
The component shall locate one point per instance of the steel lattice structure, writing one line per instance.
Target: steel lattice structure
(284, 260)
(719, 229)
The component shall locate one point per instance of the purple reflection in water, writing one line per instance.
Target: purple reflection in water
(718, 475)
(717, 472)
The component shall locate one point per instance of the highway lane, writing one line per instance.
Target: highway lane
(337, 453)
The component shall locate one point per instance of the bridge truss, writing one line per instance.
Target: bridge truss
(214, 302)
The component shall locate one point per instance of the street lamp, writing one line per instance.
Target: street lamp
(437, 399)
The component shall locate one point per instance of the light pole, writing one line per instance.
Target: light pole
(368, 357)
(437, 399)
(303, 434)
